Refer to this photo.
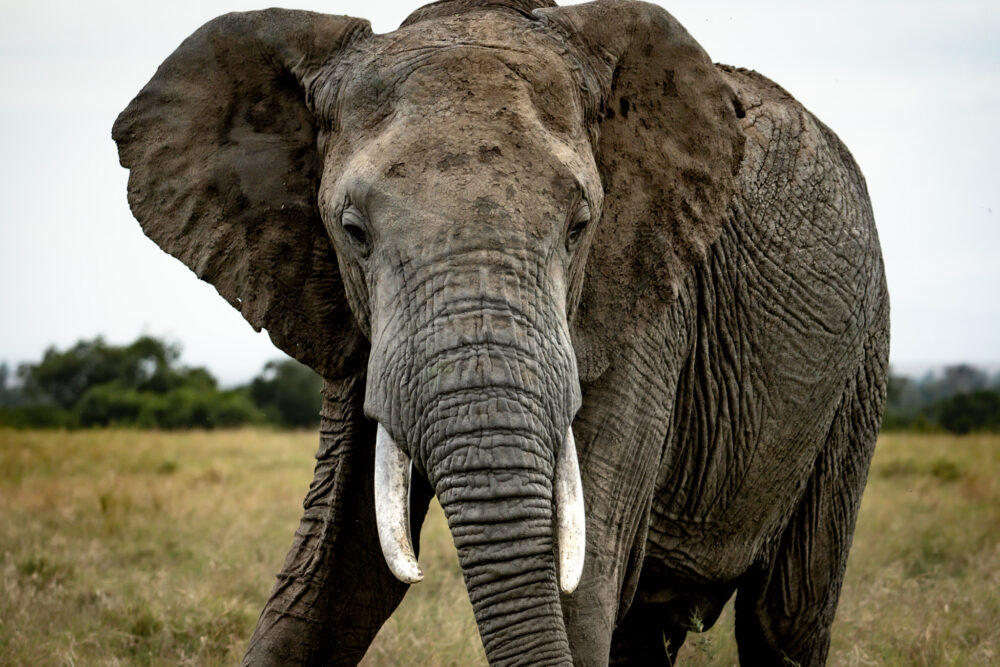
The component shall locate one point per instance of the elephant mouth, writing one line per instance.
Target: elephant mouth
(393, 484)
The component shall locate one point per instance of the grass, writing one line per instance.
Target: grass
(145, 548)
(923, 580)
(123, 547)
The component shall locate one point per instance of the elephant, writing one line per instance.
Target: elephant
(622, 310)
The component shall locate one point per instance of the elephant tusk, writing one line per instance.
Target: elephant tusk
(570, 518)
(392, 508)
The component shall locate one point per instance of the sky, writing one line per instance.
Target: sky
(912, 88)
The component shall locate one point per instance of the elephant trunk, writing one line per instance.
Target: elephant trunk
(505, 547)
(497, 495)
(487, 421)
(393, 488)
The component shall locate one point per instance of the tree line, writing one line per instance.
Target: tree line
(143, 384)
(962, 399)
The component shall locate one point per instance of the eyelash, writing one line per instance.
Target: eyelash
(353, 223)
(579, 225)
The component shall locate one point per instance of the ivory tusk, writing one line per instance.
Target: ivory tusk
(392, 508)
(570, 518)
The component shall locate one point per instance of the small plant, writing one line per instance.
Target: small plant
(785, 660)
(41, 571)
(168, 467)
(946, 470)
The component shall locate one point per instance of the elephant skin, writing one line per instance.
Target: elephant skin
(507, 226)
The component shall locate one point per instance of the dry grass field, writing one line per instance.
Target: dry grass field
(127, 547)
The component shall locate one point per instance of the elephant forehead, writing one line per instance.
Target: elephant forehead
(482, 61)
(493, 79)
(466, 168)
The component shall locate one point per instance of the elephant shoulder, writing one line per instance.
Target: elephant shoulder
(795, 165)
(769, 116)
(802, 224)
(755, 91)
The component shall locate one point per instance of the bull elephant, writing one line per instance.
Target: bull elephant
(623, 311)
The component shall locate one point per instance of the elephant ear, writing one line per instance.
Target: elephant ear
(225, 170)
(668, 147)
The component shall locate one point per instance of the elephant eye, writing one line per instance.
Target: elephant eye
(354, 224)
(579, 224)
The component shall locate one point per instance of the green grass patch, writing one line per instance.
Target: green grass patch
(147, 548)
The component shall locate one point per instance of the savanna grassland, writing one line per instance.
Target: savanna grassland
(129, 547)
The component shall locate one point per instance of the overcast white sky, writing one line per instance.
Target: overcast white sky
(913, 88)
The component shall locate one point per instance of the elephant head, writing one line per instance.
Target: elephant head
(472, 212)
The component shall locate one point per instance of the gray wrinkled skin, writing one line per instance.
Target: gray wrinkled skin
(507, 218)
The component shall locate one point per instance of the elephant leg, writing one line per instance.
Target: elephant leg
(334, 591)
(645, 638)
(621, 430)
(656, 624)
(784, 610)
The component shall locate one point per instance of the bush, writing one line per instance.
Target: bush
(110, 404)
(63, 378)
(289, 392)
(191, 407)
(37, 416)
(894, 421)
(94, 384)
(186, 407)
(972, 411)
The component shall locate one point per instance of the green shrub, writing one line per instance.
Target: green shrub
(146, 365)
(94, 384)
(191, 407)
(111, 404)
(971, 411)
(37, 416)
(185, 407)
(289, 393)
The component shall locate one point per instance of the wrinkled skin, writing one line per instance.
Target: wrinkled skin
(508, 218)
